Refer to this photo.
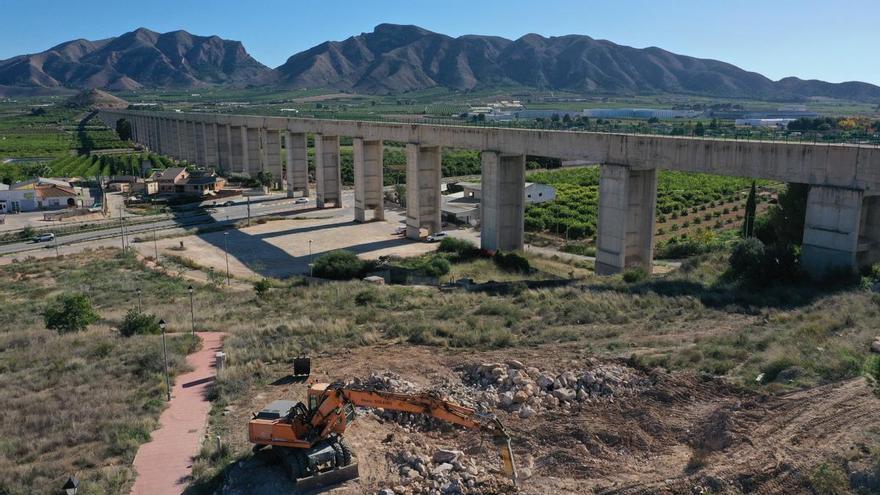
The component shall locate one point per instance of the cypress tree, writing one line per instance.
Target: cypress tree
(751, 211)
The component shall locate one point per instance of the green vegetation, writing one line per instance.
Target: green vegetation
(82, 402)
(138, 323)
(340, 265)
(70, 313)
(573, 214)
(830, 479)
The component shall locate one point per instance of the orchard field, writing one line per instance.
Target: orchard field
(574, 213)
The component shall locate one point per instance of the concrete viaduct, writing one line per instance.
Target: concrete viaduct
(843, 212)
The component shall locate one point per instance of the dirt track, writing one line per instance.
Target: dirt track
(633, 445)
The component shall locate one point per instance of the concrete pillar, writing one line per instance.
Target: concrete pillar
(164, 137)
(831, 230)
(368, 179)
(239, 150)
(272, 152)
(189, 142)
(176, 129)
(254, 152)
(199, 143)
(422, 189)
(627, 199)
(502, 209)
(297, 164)
(211, 158)
(328, 173)
(224, 147)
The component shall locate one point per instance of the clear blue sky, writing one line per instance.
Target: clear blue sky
(830, 40)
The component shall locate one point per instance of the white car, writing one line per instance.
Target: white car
(437, 236)
(45, 237)
(300, 201)
(399, 231)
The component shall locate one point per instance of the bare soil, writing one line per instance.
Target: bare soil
(684, 434)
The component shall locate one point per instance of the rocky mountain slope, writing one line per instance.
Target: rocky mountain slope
(138, 59)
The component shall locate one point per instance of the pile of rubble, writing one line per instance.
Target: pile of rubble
(526, 390)
(443, 472)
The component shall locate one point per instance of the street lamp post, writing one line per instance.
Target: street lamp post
(122, 225)
(162, 325)
(140, 307)
(55, 238)
(192, 310)
(311, 264)
(248, 211)
(226, 252)
(155, 243)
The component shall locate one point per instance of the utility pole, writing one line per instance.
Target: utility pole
(248, 211)
(165, 353)
(226, 252)
(192, 311)
(55, 238)
(156, 244)
(122, 227)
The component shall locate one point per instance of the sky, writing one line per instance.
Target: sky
(813, 39)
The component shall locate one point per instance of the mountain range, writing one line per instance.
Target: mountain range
(400, 58)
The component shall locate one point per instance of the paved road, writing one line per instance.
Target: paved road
(164, 464)
(186, 218)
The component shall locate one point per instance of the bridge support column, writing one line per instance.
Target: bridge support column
(422, 189)
(272, 152)
(242, 153)
(177, 137)
(502, 202)
(368, 179)
(328, 173)
(210, 133)
(224, 147)
(254, 151)
(297, 164)
(831, 229)
(627, 199)
(199, 143)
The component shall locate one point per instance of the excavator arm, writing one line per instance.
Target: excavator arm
(331, 411)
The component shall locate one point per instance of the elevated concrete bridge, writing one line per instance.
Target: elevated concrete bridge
(843, 212)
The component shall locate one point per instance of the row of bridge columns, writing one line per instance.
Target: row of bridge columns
(842, 225)
(627, 196)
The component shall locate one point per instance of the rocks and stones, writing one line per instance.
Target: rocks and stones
(875, 347)
(446, 456)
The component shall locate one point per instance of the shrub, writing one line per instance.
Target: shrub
(70, 313)
(437, 266)
(512, 262)
(634, 275)
(462, 248)
(872, 371)
(261, 287)
(830, 479)
(366, 297)
(137, 323)
(339, 265)
(747, 259)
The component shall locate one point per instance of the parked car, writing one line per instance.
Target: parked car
(399, 231)
(228, 203)
(300, 201)
(45, 237)
(437, 236)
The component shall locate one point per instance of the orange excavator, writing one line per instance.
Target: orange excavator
(308, 438)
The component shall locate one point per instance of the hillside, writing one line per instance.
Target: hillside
(95, 98)
(139, 59)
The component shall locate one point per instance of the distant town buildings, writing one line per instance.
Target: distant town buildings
(640, 113)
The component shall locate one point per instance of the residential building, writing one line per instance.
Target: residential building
(171, 180)
(464, 206)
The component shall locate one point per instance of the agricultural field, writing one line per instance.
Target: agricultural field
(681, 197)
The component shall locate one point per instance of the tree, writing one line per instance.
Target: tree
(262, 286)
(123, 128)
(699, 130)
(339, 265)
(69, 313)
(751, 210)
(265, 178)
(784, 222)
(137, 323)
(747, 259)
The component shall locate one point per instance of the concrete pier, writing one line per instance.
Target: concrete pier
(272, 152)
(422, 189)
(831, 229)
(239, 150)
(627, 199)
(328, 172)
(368, 179)
(297, 164)
(502, 203)
(199, 142)
(254, 162)
(224, 147)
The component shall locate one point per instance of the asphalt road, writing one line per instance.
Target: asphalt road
(188, 218)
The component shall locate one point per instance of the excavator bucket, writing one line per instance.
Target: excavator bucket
(320, 481)
(302, 367)
(508, 467)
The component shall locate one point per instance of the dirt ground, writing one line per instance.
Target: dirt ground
(679, 434)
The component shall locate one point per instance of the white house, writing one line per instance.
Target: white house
(464, 206)
(534, 193)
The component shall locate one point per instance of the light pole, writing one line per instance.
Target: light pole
(155, 243)
(139, 300)
(162, 325)
(192, 310)
(226, 252)
(311, 265)
(55, 238)
(122, 226)
(248, 211)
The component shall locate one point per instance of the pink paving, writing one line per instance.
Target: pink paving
(165, 463)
